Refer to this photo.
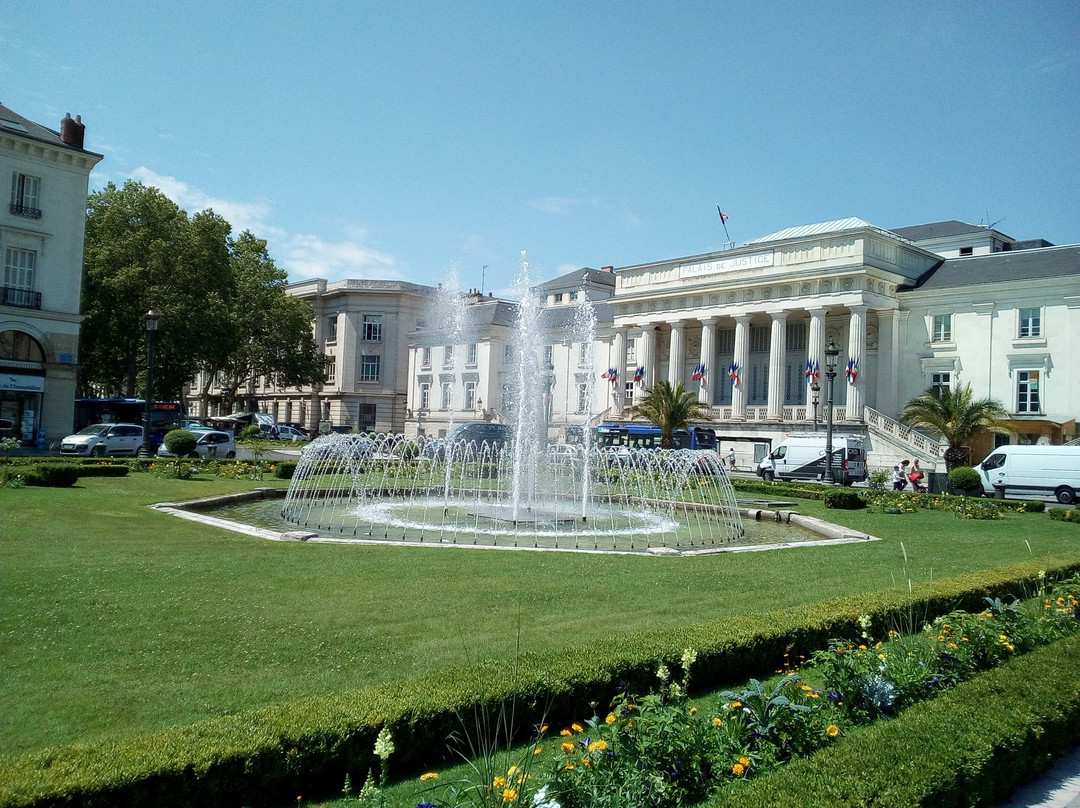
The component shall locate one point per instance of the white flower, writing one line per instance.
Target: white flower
(662, 673)
(384, 744)
(689, 657)
(540, 799)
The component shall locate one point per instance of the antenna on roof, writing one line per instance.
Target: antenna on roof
(991, 225)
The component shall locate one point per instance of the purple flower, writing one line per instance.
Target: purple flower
(834, 696)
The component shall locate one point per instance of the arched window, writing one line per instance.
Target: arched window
(20, 346)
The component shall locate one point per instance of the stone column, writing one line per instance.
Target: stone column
(676, 363)
(618, 361)
(815, 351)
(888, 358)
(707, 359)
(856, 352)
(777, 363)
(645, 355)
(742, 359)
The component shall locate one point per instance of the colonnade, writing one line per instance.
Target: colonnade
(732, 369)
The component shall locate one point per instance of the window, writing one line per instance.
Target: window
(582, 397)
(628, 394)
(941, 382)
(631, 351)
(470, 357)
(331, 329)
(548, 355)
(760, 337)
(470, 395)
(331, 369)
(425, 357)
(21, 347)
(942, 328)
(25, 193)
(366, 421)
(447, 392)
(558, 297)
(966, 251)
(508, 353)
(19, 268)
(372, 328)
(369, 368)
(1030, 323)
(1027, 391)
(583, 355)
(448, 356)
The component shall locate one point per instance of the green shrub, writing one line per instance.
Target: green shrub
(1063, 515)
(285, 469)
(52, 475)
(249, 432)
(844, 499)
(97, 469)
(965, 478)
(180, 442)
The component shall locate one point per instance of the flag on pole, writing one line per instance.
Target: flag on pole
(699, 374)
(733, 372)
(723, 221)
(639, 377)
(612, 375)
(852, 370)
(813, 372)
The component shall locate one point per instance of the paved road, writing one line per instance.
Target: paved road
(1058, 788)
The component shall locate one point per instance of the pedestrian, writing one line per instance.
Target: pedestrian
(899, 480)
(915, 476)
(731, 459)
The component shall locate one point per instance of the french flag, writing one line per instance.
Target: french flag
(639, 376)
(699, 374)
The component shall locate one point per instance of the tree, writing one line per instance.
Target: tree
(669, 409)
(267, 331)
(143, 252)
(957, 417)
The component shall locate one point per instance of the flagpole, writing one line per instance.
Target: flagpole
(723, 221)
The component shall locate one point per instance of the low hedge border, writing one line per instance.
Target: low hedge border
(970, 746)
(308, 746)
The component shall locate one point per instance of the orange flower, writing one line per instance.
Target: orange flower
(832, 730)
(610, 718)
(738, 769)
(567, 746)
(429, 776)
(509, 795)
(577, 727)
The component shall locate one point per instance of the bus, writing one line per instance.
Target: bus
(164, 415)
(647, 436)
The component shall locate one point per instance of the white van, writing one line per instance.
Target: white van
(802, 457)
(1033, 471)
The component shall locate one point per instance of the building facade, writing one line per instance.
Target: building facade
(42, 230)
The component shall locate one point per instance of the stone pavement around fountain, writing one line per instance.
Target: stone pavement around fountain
(1057, 788)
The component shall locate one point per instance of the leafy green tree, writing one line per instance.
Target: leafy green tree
(143, 252)
(669, 408)
(265, 331)
(957, 417)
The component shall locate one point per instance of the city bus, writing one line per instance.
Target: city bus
(164, 415)
(647, 436)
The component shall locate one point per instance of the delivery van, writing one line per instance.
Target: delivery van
(1033, 471)
(802, 457)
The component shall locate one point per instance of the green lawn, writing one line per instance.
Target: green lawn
(119, 620)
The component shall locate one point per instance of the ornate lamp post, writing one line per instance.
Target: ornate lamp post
(815, 389)
(831, 354)
(152, 318)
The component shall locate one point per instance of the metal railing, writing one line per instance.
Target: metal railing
(905, 434)
(21, 298)
(25, 210)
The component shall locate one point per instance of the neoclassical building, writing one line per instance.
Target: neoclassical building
(41, 241)
(934, 305)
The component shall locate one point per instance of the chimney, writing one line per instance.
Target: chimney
(72, 131)
(608, 269)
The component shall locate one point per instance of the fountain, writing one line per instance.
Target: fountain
(519, 494)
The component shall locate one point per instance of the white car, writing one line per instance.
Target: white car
(99, 440)
(291, 433)
(211, 444)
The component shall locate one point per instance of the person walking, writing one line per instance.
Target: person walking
(731, 459)
(899, 479)
(915, 477)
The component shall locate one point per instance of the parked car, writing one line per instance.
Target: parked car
(1033, 471)
(291, 433)
(211, 443)
(99, 440)
(472, 436)
(7, 428)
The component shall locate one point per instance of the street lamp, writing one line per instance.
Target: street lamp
(831, 354)
(151, 328)
(815, 389)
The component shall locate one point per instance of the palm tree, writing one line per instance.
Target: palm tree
(957, 417)
(669, 408)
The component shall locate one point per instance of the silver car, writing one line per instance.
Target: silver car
(211, 443)
(99, 440)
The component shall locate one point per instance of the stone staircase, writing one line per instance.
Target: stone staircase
(902, 442)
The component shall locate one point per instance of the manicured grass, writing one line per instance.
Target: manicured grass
(119, 620)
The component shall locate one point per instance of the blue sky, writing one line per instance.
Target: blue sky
(402, 140)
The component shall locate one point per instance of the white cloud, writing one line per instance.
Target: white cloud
(302, 255)
(556, 205)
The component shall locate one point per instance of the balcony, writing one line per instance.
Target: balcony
(20, 298)
(25, 210)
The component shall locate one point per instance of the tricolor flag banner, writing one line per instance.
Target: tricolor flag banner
(639, 377)
(733, 372)
(699, 374)
(612, 375)
(723, 216)
(813, 373)
(852, 371)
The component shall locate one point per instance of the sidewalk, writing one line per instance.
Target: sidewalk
(1057, 788)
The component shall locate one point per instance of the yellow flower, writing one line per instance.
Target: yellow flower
(510, 771)
(745, 761)
(693, 711)
(738, 769)
(610, 718)
(832, 730)
(499, 782)
(537, 750)
(429, 776)
(569, 766)
(566, 733)
(567, 746)
(544, 728)
(509, 795)
(718, 722)
(585, 762)
(577, 727)
(597, 746)
(736, 705)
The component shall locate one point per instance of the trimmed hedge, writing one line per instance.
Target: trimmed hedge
(973, 745)
(308, 746)
(1063, 515)
(52, 475)
(98, 470)
(284, 469)
(844, 499)
(780, 490)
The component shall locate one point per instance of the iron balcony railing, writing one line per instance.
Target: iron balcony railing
(25, 210)
(22, 298)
